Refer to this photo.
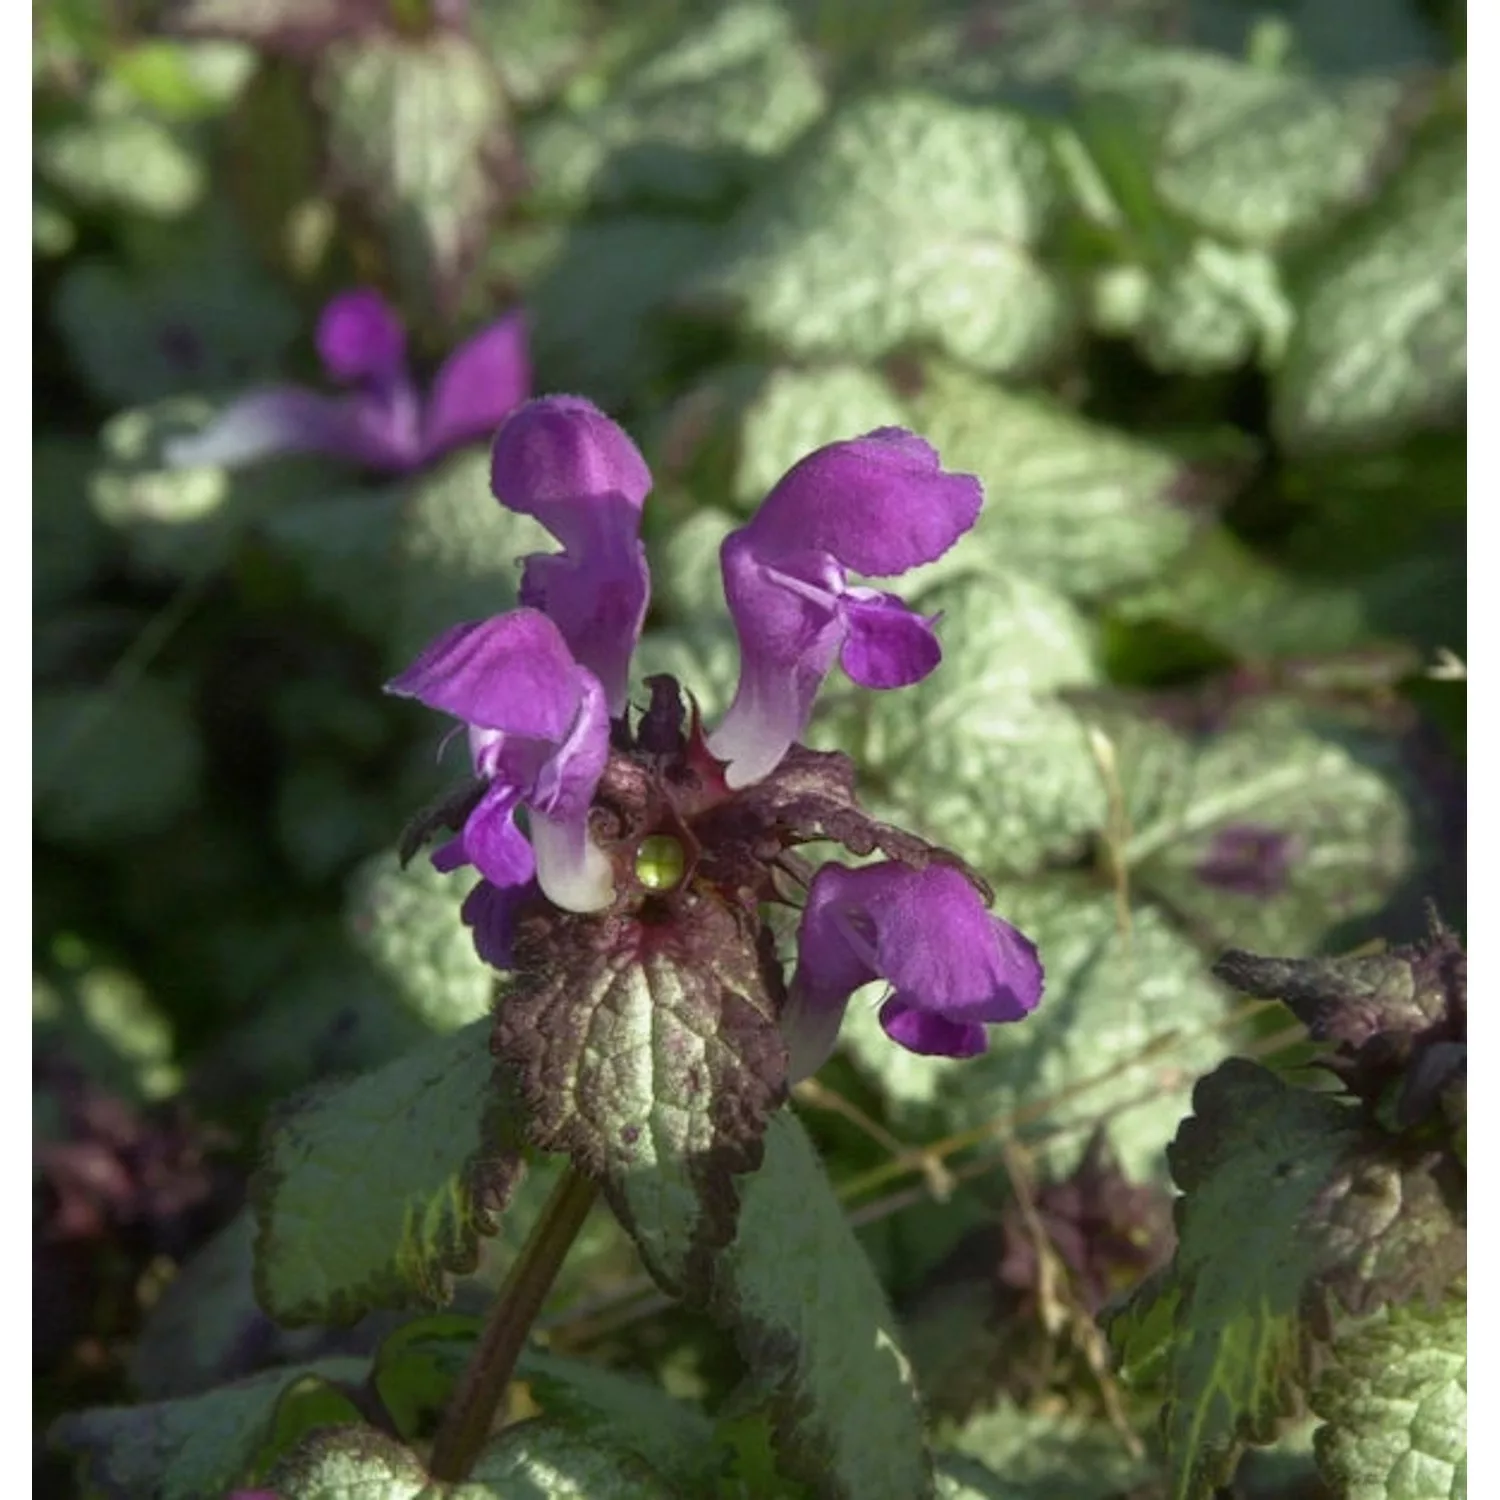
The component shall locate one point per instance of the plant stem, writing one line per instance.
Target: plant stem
(471, 1413)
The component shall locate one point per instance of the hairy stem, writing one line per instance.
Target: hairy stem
(471, 1413)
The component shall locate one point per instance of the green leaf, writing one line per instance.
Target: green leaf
(1047, 1456)
(1379, 349)
(686, 582)
(651, 1055)
(1271, 833)
(407, 923)
(1252, 155)
(68, 543)
(597, 305)
(1127, 1017)
(690, 126)
(618, 1410)
(533, 44)
(813, 1324)
(418, 131)
(907, 220)
(456, 551)
(202, 317)
(533, 1459)
(372, 1193)
(1253, 1162)
(1395, 1402)
(203, 1445)
(114, 762)
(1070, 503)
(982, 756)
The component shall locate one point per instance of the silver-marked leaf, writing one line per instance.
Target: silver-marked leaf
(418, 134)
(982, 756)
(1068, 502)
(200, 1445)
(1050, 1456)
(1380, 346)
(692, 124)
(1395, 1403)
(457, 552)
(183, 523)
(534, 1459)
(608, 1407)
(1255, 155)
(407, 923)
(1273, 831)
(1128, 1017)
(814, 1326)
(534, 44)
(597, 306)
(373, 1193)
(122, 162)
(907, 220)
(649, 1052)
(113, 762)
(297, 28)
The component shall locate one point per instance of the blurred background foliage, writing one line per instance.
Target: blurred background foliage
(1182, 280)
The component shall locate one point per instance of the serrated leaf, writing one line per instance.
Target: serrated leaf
(203, 318)
(456, 550)
(982, 756)
(373, 1193)
(690, 126)
(183, 523)
(1380, 347)
(907, 220)
(1252, 1162)
(535, 1458)
(1050, 1456)
(813, 1324)
(1395, 1400)
(407, 923)
(619, 1410)
(597, 305)
(651, 1055)
(1068, 502)
(1128, 1017)
(418, 132)
(1254, 155)
(197, 1446)
(1272, 832)
(114, 762)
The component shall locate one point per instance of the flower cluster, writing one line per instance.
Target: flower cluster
(383, 423)
(645, 822)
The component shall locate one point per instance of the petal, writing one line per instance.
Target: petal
(571, 869)
(286, 419)
(562, 786)
(931, 1035)
(880, 504)
(477, 385)
(360, 338)
(493, 843)
(564, 462)
(512, 673)
(889, 644)
(491, 912)
(790, 629)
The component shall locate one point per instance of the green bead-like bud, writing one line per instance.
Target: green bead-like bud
(660, 862)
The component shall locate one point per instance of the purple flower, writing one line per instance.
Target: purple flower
(877, 505)
(383, 422)
(539, 738)
(952, 967)
(562, 461)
